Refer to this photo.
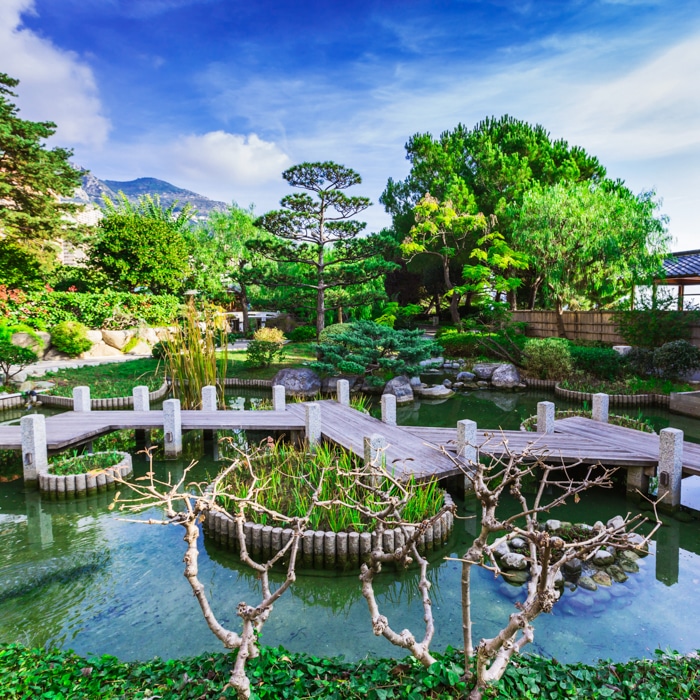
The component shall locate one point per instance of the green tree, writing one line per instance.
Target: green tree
(316, 242)
(589, 245)
(498, 161)
(142, 245)
(32, 179)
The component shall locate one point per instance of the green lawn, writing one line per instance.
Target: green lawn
(296, 355)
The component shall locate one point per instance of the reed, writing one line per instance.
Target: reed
(192, 358)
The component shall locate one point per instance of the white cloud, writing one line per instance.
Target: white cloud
(55, 85)
(233, 158)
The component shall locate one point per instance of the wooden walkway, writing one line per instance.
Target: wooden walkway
(411, 450)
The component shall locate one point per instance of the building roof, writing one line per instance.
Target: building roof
(682, 268)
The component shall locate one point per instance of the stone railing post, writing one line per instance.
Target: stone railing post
(601, 404)
(209, 401)
(670, 467)
(34, 452)
(342, 389)
(389, 409)
(141, 399)
(313, 424)
(81, 399)
(172, 427)
(467, 449)
(375, 448)
(545, 417)
(279, 398)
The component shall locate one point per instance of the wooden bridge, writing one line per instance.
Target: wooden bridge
(410, 450)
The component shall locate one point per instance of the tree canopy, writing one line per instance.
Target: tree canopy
(315, 242)
(142, 246)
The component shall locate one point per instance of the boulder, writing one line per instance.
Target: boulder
(466, 377)
(572, 567)
(516, 578)
(94, 336)
(587, 583)
(629, 567)
(505, 377)
(141, 348)
(484, 370)
(117, 339)
(401, 388)
(433, 392)
(27, 340)
(54, 354)
(514, 561)
(552, 525)
(602, 578)
(329, 385)
(101, 349)
(432, 362)
(603, 558)
(616, 523)
(447, 383)
(298, 382)
(416, 381)
(617, 574)
(150, 335)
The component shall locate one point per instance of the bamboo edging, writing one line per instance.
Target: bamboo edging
(70, 485)
(116, 402)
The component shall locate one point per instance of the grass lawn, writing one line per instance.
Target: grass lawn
(295, 356)
(110, 379)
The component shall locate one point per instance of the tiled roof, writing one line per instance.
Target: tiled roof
(683, 264)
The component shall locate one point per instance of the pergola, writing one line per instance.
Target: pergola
(681, 269)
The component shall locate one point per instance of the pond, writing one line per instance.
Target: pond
(75, 576)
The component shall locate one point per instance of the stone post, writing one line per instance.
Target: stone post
(141, 399)
(375, 451)
(389, 409)
(34, 453)
(279, 397)
(601, 403)
(670, 467)
(313, 424)
(467, 449)
(209, 402)
(81, 399)
(342, 388)
(172, 427)
(545, 417)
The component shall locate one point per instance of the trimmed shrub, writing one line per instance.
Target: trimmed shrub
(266, 346)
(640, 361)
(548, 358)
(70, 337)
(603, 363)
(334, 329)
(302, 333)
(676, 358)
(456, 344)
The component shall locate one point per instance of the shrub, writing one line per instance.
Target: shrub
(603, 363)
(548, 358)
(640, 361)
(302, 333)
(14, 358)
(334, 329)
(70, 337)
(457, 344)
(266, 346)
(160, 350)
(676, 358)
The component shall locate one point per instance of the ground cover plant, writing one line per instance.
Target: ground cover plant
(631, 385)
(110, 379)
(63, 465)
(530, 423)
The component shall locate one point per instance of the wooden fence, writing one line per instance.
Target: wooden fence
(581, 325)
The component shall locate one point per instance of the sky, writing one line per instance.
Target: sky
(221, 96)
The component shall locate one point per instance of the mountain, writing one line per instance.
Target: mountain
(93, 190)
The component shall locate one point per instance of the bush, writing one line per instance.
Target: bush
(160, 350)
(10, 355)
(266, 346)
(640, 361)
(678, 357)
(548, 358)
(457, 344)
(653, 327)
(334, 329)
(302, 333)
(70, 337)
(603, 363)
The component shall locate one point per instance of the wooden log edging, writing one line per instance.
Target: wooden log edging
(323, 549)
(11, 400)
(251, 383)
(660, 400)
(71, 485)
(540, 383)
(105, 404)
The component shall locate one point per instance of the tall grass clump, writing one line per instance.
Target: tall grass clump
(192, 359)
(290, 475)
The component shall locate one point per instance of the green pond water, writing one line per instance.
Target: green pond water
(75, 576)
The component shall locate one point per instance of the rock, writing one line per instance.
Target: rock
(641, 547)
(505, 377)
(100, 349)
(616, 523)
(432, 362)
(149, 335)
(401, 388)
(433, 392)
(603, 558)
(466, 377)
(514, 561)
(298, 382)
(601, 578)
(617, 574)
(27, 340)
(483, 384)
(451, 365)
(416, 381)
(19, 378)
(572, 567)
(54, 354)
(447, 383)
(518, 543)
(627, 555)
(587, 583)
(117, 339)
(516, 578)
(501, 551)
(484, 370)
(141, 348)
(458, 385)
(94, 336)
(329, 385)
(630, 567)
(552, 525)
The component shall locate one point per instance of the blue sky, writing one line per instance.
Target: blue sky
(220, 96)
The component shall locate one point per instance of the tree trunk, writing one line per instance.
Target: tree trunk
(533, 293)
(561, 328)
(512, 300)
(244, 308)
(340, 314)
(454, 308)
